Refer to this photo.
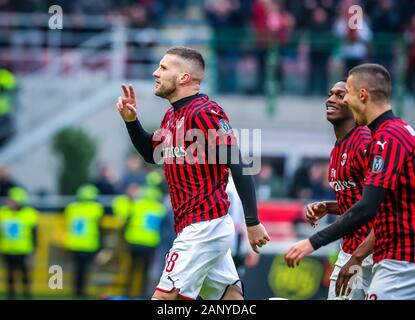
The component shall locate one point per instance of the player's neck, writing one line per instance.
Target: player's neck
(178, 95)
(343, 128)
(376, 110)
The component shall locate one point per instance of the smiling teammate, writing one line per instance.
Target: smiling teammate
(346, 176)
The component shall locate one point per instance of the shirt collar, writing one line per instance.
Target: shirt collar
(185, 101)
(375, 124)
(347, 135)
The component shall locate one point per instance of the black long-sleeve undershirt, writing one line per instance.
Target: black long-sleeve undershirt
(141, 140)
(358, 215)
(244, 186)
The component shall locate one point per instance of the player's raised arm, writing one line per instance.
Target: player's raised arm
(127, 108)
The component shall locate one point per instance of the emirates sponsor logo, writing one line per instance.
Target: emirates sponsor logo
(174, 152)
(342, 185)
(196, 146)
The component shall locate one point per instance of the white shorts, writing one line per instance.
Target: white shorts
(392, 280)
(200, 261)
(363, 278)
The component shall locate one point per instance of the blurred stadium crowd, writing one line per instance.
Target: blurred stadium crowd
(313, 33)
(313, 37)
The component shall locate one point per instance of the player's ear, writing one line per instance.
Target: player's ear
(185, 78)
(363, 94)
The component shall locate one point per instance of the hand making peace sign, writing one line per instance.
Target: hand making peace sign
(127, 106)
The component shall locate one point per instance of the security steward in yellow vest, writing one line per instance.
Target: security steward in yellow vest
(83, 234)
(142, 230)
(18, 225)
(122, 204)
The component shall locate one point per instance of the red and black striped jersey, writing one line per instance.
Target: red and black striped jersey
(392, 167)
(186, 143)
(347, 171)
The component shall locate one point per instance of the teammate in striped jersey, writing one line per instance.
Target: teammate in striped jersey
(388, 194)
(347, 171)
(196, 145)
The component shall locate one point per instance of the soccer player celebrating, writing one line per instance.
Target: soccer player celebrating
(196, 167)
(388, 194)
(346, 176)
